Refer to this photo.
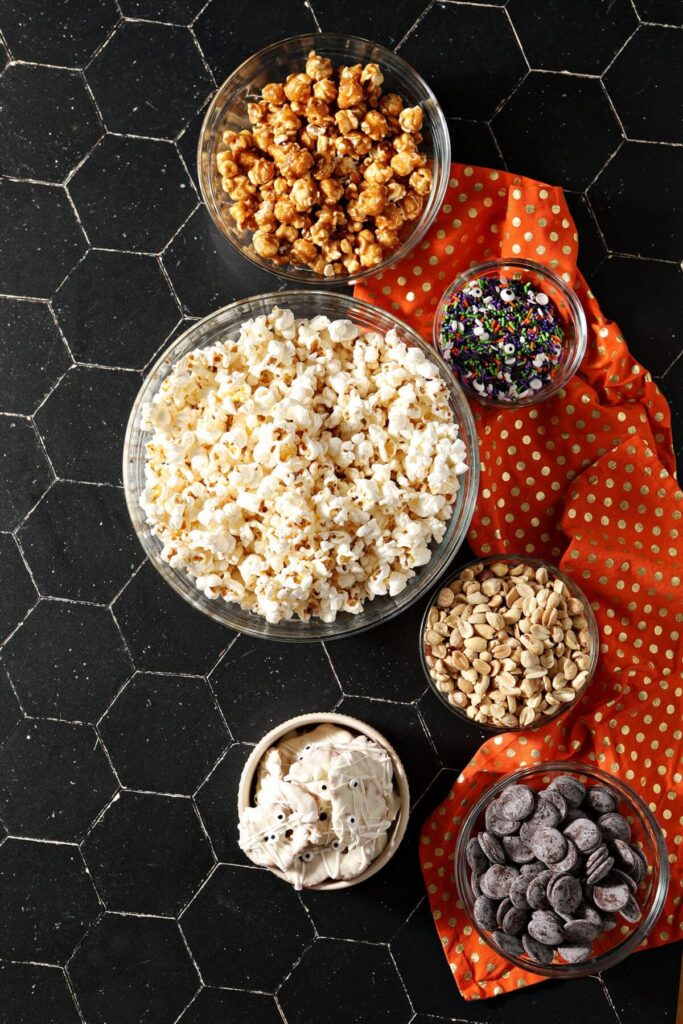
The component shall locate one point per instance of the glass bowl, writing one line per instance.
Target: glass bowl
(308, 722)
(569, 308)
(228, 111)
(611, 947)
(226, 322)
(574, 590)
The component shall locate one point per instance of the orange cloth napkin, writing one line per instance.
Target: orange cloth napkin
(586, 480)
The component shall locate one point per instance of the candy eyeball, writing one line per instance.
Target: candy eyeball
(280, 816)
(507, 294)
(307, 856)
(354, 784)
(542, 298)
(509, 349)
(475, 291)
(351, 819)
(336, 845)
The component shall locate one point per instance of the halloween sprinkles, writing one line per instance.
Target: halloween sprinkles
(503, 338)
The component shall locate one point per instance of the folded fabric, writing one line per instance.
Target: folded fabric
(585, 479)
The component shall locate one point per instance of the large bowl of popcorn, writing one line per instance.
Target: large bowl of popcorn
(324, 158)
(300, 466)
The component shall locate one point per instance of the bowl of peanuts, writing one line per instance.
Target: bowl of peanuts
(510, 643)
(324, 158)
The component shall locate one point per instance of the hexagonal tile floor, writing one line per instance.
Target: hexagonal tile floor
(125, 717)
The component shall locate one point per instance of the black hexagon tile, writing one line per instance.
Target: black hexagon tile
(652, 972)
(83, 420)
(54, 780)
(188, 140)
(148, 79)
(176, 638)
(40, 239)
(30, 337)
(580, 36)
(217, 803)
(653, 336)
(592, 250)
(124, 323)
(148, 854)
(662, 12)
(79, 543)
(47, 901)
(228, 954)
(645, 85)
(229, 31)
(455, 741)
(79, 672)
(24, 470)
(48, 122)
(472, 142)
(369, 20)
(213, 1005)
(263, 683)
(132, 194)
(17, 592)
(66, 33)
(543, 128)
(638, 201)
(10, 710)
(206, 271)
(179, 12)
(455, 45)
(35, 995)
(164, 733)
(132, 969)
(345, 981)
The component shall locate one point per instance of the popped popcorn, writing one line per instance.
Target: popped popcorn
(303, 467)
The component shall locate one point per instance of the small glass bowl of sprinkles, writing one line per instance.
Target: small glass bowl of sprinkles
(512, 332)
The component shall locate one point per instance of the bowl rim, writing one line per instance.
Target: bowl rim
(660, 869)
(577, 313)
(359, 623)
(572, 585)
(398, 826)
(422, 224)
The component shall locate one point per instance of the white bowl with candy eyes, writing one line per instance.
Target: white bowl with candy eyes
(304, 723)
(611, 947)
(571, 316)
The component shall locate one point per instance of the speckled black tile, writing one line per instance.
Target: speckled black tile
(148, 854)
(638, 203)
(40, 240)
(456, 45)
(369, 20)
(24, 470)
(79, 543)
(662, 12)
(218, 813)
(164, 733)
(232, 1007)
(337, 981)
(229, 31)
(17, 592)
(580, 36)
(542, 129)
(47, 901)
(383, 662)
(472, 142)
(132, 969)
(132, 194)
(176, 637)
(417, 952)
(455, 741)
(231, 956)
(645, 85)
(207, 272)
(35, 995)
(645, 298)
(48, 122)
(187, 143)
(116, 309)
(148, 79)
(29, 338)
(375, 910)
(592, 249)
(54, 780)
(403, 728)
(10, 712)
(676, 419)
(261, 683)
(83, 421)
(653, 972)
(79, 672)
(65, 33)
(176, 11)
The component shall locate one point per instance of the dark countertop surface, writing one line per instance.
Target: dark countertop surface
(125, 716)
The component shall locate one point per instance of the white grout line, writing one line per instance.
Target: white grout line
(420, 18)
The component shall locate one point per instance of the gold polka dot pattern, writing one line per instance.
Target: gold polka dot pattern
(587, 480)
